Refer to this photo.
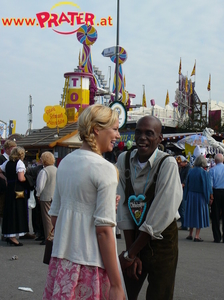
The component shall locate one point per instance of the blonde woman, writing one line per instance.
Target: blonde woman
(84, 262)
(15, 217)
(45, 186)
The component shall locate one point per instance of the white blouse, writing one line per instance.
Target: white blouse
(20, 166)
(84, 198)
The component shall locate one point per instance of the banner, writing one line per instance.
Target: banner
(12, 127)
(215, 119)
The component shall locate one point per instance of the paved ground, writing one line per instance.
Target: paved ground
(200, 274)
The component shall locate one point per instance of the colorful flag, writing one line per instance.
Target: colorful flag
(180, 67)
(189, 150)
(167, 98)
(144, 98)
(12, 127)
(191, 88)
(186, 85)
(209, 83)
(193, 71)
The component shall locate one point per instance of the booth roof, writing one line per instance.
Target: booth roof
(47, 137)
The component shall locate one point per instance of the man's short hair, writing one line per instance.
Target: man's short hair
(9, 144)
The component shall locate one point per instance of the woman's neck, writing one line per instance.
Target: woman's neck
(86, 146)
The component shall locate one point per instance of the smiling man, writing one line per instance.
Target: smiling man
(147, 213)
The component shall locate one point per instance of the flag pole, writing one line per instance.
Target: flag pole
(117, 54)
(188, 97)
(186, 104)
(180, 86)
(195, 73)
(209, 90)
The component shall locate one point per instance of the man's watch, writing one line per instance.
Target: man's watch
(127, 257)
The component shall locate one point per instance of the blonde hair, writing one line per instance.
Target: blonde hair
(9, 144)
(17, 153)
(47, 158)
(95, 116)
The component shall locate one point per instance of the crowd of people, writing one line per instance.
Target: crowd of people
(203, 191)
(16, 183)
(143, 192)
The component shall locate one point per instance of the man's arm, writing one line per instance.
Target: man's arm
(168, 196)
(129, 236)
(134, 268)
(41, 182)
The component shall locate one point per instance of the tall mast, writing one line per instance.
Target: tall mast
(30, 115)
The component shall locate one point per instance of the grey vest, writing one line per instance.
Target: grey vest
(48, 191)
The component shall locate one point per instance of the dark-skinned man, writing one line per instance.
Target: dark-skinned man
(147, 213)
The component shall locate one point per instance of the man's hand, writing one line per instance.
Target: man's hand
(123, 262)
(135, 269)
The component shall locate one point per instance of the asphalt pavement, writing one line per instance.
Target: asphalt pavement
(200, 274)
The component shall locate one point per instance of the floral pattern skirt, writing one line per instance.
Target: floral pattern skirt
(67, 280)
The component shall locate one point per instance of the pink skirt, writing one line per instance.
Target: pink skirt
(67, 280)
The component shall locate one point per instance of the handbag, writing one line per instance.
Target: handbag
(32, 200)
(30, 182)
(48, 249)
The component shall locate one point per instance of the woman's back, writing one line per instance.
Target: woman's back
(84, 197)
(10, 170)
(80, 175)
(195, 179)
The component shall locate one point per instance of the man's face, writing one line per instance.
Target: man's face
(182, 164)
(147, 137)
(9, 150)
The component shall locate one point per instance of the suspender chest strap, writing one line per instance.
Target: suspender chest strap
(150, 193)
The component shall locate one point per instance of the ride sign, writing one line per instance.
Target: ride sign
(55, 116)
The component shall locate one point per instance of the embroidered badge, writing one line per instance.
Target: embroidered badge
(137, 207)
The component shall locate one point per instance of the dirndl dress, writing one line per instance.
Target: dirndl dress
(67, 280)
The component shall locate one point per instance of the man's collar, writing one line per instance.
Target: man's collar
(153, 157)
(6, 155)
(134, 154)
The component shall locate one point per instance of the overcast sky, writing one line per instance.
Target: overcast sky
(154, 33)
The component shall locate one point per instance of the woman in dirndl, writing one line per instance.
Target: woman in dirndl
(84, 262)
(15, 216)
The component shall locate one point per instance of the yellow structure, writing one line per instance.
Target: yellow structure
(76, 94)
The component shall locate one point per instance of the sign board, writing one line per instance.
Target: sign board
(55, 116)
(108, 52)
(122, 113)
